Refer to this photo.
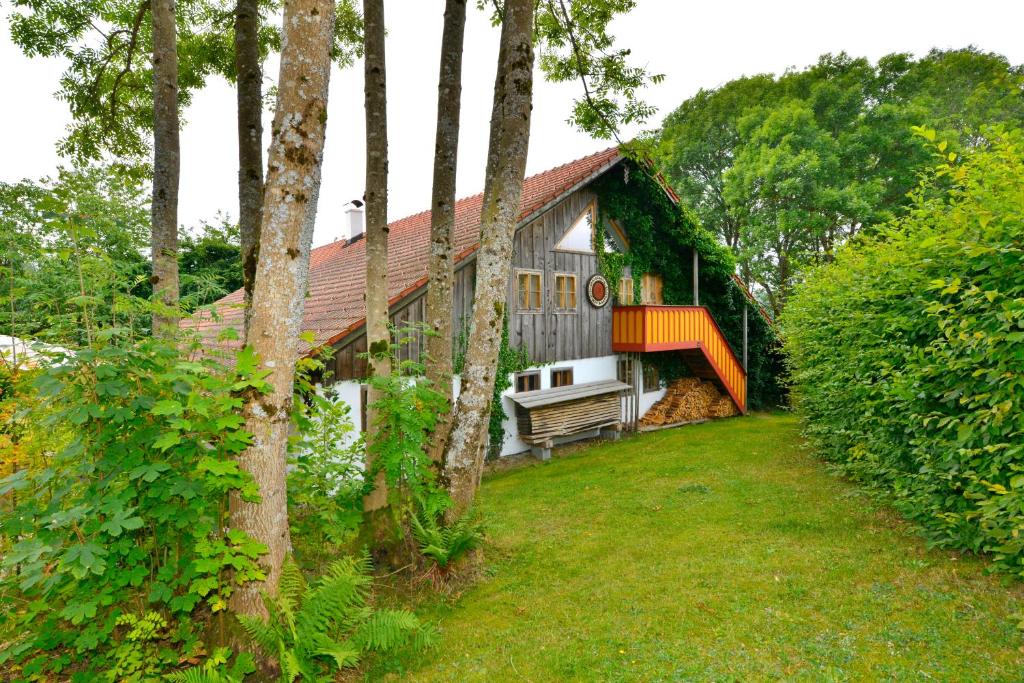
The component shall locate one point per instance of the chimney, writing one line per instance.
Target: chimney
(354, 221)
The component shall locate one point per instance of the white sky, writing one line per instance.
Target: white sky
(696, 44)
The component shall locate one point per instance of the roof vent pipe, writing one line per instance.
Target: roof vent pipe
(355, 222)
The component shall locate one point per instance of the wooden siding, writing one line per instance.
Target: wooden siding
(548, 335)
(412, 311)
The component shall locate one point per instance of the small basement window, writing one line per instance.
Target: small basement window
(652, 380)
(528, 290)
(527, 381)
(565, 292)
(626, 291)
(561, 377)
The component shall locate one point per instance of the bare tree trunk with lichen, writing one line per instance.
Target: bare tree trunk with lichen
(289, 211)
(249, 77)
(378, 336)
(503, 184)
(441, 270)
(166, 167)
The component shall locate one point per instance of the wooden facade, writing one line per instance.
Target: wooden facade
(548, 333)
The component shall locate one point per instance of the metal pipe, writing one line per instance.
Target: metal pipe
(696, 274)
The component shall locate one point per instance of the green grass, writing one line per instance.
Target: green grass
(716, 552)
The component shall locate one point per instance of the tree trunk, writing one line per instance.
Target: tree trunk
(442, 218)
(166, 167)
(503, 184)
(289, 210)
(249, 75)
(377, 334)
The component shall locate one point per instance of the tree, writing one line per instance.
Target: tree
(503, 183)
(166, 167)
(249, 77)
(784, 169)
(378, 334)
(289, 210)
(441, 270)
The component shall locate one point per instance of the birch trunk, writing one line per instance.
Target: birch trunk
(166, 167)
(289, 210)
(442, 218)
(249, 75)
(377, 334)
(503, 184)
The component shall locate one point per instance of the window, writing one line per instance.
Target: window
(626, 291)
(624, 371)
(652, 380)
(528, 287)
(527, 381)
(650, 291)
(565, 292)
(580, 236)
(561, 377)
(364, 398)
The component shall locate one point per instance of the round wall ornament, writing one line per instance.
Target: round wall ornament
(598, 291)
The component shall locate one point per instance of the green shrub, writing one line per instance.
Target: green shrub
(907, 353)
(313, 632)
(124, 511)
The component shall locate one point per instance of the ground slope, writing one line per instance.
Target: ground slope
(721, 551)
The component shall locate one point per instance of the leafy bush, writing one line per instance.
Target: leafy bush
(312, 632)
(126, 507)
(325, 478)
(907, 353)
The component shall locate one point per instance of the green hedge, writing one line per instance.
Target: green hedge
(907, 353)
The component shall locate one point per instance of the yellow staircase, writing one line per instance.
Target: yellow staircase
(693, 332)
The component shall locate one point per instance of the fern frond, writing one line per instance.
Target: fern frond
(262, 633)
(386, 630)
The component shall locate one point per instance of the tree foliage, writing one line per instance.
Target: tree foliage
(907, 351)
(786, 169)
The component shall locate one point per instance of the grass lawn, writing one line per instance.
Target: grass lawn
(719, 552)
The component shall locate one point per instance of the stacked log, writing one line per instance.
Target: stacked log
(686, 400)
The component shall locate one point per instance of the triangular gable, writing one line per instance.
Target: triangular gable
(580, 235)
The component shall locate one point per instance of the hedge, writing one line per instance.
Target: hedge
(907, 353)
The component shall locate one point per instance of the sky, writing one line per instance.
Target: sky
(695, 44)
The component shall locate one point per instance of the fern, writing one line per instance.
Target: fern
(441, 543)
(314, 630)
(216, 670)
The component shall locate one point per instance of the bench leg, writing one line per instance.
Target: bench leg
(542, 451)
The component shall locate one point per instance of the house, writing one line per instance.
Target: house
(588, 300)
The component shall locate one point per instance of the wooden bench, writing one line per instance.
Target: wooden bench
(549, 417)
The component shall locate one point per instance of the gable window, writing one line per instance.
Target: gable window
(580, 235)
(615, 241)
(528, 290)
(626, 291)
(527, 381)
(651, 289)
(561, 377)
(565, 292)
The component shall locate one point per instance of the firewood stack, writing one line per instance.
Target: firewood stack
(688, 399)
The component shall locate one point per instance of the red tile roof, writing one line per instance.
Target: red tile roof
(337, 271)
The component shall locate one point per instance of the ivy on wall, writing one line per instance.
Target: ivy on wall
(659, 232)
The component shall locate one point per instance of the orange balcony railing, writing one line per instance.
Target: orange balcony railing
(684, 328)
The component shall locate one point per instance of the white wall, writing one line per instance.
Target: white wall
(583, 370)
